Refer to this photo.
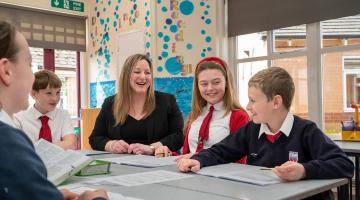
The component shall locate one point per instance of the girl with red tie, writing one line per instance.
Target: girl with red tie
(215, 113)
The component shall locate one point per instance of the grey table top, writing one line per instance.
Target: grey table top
(349, 146)
(203, 187)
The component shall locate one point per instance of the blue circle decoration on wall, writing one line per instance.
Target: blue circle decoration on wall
(164, 9)
(160, 34)
(173, 28)
(159, 69)
(203, 32)
(208, 39)
(189, 46)
(173, 66)
(168, 21)
(165, 46)
(147, 45)
(166, 38)
(208, 21)
(164, 54)
(186, 7)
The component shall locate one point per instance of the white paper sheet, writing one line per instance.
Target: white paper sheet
(79, 188)
(140, 178)
(242, 173)
(142, 160)
(220, 170)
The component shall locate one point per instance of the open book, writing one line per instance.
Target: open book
(60, 164)
(243, 173)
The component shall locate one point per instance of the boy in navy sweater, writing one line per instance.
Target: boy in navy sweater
(295, 148)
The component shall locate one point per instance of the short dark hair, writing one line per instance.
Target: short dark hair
(45, 78)
(8, 46)
(275, 81)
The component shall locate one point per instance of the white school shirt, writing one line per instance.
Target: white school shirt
(4, 117)
(219, 127)
(285, 128)
(59, 122)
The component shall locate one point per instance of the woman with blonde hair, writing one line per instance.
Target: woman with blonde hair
(137, 119)
(216, 112)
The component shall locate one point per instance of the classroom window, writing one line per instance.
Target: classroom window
(251, 45)
(290, 38)
(297, 68)
(65, 68)
(341, 87)
(245, 72)
(341, 32)
(351, 81)
(37, 63)
(339, 47)
(341, 69)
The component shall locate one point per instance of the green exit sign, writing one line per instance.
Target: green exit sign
(68, 5)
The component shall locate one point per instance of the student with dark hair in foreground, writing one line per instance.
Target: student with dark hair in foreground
(23, 174)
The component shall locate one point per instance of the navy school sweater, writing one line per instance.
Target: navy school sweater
(320, 156)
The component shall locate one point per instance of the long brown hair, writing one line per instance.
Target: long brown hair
(123, 100)
(230, 101)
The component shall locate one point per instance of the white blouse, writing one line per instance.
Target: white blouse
(219, 127)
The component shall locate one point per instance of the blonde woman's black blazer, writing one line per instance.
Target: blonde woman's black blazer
(165, 124)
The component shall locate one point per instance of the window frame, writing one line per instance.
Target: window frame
(344, 73)
(313, 52)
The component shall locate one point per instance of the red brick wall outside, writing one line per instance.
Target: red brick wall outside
(333, 89)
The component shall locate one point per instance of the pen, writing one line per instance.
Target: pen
(266, 168)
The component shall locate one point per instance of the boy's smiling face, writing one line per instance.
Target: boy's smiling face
(260, 108)
(46, 99)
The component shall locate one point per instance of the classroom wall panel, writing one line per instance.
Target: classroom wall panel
(176, 35)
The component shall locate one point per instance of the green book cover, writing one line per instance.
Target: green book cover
(96, 167)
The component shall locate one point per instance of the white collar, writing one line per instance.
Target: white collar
(4, 117)
(38, 114)
(217, 106)
(285, 127)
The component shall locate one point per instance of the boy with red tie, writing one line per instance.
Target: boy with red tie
(44, 120)
(294, 147)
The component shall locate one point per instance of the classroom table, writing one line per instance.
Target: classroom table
(204, 187)
(352, 148)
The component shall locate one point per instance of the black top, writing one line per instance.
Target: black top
(164, 124)
(134, 131)
(23, 174)
(320, 156)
